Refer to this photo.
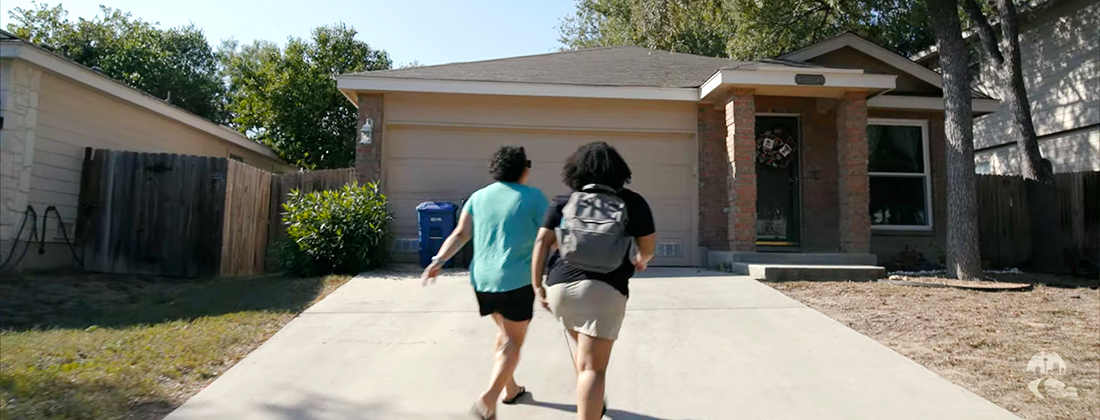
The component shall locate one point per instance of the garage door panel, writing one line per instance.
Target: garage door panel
(669, 214)
(639, 150)
(449, 163)
(434, 142)
(662, 181)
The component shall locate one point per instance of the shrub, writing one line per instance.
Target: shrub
(343, 231)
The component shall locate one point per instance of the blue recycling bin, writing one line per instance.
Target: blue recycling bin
(435, 221)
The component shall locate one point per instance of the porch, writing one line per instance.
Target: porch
(855, 188)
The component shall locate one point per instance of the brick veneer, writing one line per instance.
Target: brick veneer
(852, 181)
(713, 174)
(741, 155)
(368, 157)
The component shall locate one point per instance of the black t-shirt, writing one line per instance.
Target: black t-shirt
(639, 223)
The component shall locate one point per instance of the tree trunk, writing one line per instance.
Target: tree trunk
(963, 256)
(1042, 194)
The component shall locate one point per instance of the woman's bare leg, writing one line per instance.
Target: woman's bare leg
(593, 355)
(510, 337)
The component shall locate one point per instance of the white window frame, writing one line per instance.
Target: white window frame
(927, 174)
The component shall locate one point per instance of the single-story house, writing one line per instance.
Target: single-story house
(1060, 54)
(53, 108)
(836, 148)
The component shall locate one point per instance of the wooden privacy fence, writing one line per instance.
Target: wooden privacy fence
(306, 182)
(1005, 224)
(188, 216)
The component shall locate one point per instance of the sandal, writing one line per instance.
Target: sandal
(481, 413)
(515, 398)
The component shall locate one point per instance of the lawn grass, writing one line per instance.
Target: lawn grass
(81, 346)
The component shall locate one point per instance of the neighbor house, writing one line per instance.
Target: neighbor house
(834, 151)
(54, 108)
(1060, 53)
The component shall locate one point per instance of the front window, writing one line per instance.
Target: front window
(899, 174)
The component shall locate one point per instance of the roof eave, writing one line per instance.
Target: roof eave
(352, 84)
(793, 82)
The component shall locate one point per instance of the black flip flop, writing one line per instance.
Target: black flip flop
(515, 398)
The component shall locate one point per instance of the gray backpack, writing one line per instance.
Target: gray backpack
(592, 235)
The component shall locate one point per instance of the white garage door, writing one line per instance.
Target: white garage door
(447, 163)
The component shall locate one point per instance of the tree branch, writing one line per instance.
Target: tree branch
(985, 31)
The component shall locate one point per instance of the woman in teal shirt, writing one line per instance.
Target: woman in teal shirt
(502, 219)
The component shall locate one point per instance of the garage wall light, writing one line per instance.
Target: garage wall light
(367, 132)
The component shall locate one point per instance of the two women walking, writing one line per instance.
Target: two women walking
(578, 254)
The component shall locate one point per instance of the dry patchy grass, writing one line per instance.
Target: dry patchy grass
(114, 347)
(980, 340)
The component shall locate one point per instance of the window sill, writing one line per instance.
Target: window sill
(887, 231)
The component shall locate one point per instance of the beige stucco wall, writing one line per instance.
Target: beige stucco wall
(438, 147)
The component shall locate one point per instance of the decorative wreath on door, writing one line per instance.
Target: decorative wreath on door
(775, 148)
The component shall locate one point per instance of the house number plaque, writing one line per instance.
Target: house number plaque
(809, 79)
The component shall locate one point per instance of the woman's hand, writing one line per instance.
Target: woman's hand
(540, 297)
(640, 263)
(431, 272)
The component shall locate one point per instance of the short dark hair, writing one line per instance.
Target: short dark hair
(508, 164)
(595, 163)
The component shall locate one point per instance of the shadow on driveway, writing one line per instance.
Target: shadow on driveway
(611, 412)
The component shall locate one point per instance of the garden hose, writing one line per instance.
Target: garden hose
(29, 215)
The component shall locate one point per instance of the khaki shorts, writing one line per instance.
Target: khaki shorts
(589, 307)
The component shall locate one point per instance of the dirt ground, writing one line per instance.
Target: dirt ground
(981, 340)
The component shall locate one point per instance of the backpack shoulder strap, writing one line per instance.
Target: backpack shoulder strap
(597, 188)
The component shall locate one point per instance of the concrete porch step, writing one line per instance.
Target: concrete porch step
(813, 272)
(716, 259)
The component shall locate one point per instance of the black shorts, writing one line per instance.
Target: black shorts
(514, 305)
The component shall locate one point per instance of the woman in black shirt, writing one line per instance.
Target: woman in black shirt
(591, 305)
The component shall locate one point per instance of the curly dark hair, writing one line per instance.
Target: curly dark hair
(509, 163)
(595, 163)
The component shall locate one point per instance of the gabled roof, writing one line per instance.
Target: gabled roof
(608, 66)
(13, 47)
(861, 44)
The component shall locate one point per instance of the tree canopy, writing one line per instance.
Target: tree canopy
(287, 98)
(744, 29)
(174, 64)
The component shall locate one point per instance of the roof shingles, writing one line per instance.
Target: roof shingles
(609, 66)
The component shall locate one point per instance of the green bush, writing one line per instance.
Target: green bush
(343, 231)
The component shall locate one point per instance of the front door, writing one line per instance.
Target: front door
(777, 181)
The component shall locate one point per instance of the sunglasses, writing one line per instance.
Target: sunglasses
(528, 163)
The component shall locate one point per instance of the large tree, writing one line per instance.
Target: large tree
(174, 64)
(287, 98)
(963, 255)
(1002, 58)
(744, 29)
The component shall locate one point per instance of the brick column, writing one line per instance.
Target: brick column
(368, 157)
(713, 173)
(741, 158)
(853, 183)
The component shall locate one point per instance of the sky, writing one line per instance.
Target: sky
(424, 31)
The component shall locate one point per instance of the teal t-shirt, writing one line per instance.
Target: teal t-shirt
(506, 219)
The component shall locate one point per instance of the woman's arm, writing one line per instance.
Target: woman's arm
(543, 242)
(647, 247)
(450, 247)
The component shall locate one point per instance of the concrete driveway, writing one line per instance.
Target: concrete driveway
(695, 345)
